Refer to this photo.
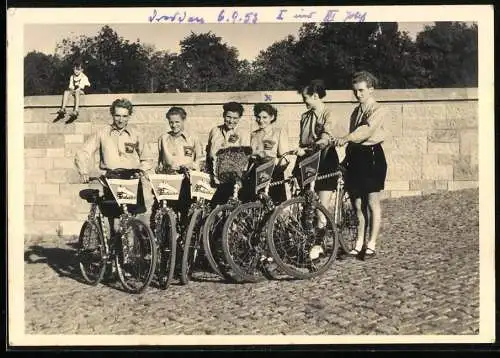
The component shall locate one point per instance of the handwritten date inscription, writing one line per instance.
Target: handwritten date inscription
(242, 17)
(177, 17)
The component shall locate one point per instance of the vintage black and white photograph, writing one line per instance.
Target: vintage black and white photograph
(268, 172)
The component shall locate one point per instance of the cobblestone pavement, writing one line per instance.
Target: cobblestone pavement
(424, 280)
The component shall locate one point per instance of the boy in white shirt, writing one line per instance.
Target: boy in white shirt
(77, 83)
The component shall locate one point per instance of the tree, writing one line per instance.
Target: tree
(392, 57)
(207, 64)
(449, 54)
(277, 67)
(39, 73)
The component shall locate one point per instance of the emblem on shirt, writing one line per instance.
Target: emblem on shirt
(188, 151)
(268, 144)
(130, 147)
(233, 138)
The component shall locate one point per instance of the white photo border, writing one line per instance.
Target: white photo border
(18, 17)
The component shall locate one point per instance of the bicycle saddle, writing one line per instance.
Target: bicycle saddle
(90, 195)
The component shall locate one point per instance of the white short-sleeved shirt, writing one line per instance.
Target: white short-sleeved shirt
(81, 81)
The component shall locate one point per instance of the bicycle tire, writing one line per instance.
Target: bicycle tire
(191, 245)
(290, 244)
(101, 262)
(252, 271)
(347, 221)
(166, 235)
(212, 245)
(142, 236)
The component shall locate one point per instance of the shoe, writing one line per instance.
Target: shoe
(354, 253)
(369, 253)
(73, 116)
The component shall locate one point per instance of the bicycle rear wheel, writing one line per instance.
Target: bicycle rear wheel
(191, 245)
(300, 250)
(243, 248)
(136, 258)
(212, 239)
(166, 235)
(346, 221)
(91, 252)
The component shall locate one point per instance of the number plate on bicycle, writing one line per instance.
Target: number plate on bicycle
(309, 168)
(200, 185)
(263, 175)
(124, 190)
(166, 186)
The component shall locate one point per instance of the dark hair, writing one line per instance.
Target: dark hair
(365, 76)
(315, 86)
(266, 107)
(122, 103)
(77, 63)
(176, 110)
(232, 107)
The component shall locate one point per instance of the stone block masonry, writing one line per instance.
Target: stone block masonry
(431, 144)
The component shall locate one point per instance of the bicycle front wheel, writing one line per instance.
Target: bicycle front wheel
(136, 257)
(346, 221)
(166, 235)
(91, 252)
(191, 245)
(301, 250)
(241, 242)
(212, 244)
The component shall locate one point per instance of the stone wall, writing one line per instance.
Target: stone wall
(433, 144)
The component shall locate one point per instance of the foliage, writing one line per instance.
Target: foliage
(448, 53)
(443, 55)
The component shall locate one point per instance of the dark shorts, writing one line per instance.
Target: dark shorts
(328, 164)
(366, 168)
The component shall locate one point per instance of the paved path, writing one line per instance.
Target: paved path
(425, 280)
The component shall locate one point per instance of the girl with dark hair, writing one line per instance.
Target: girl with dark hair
(270, 141)
(316, 127)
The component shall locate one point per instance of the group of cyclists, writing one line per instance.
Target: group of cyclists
(122, 146)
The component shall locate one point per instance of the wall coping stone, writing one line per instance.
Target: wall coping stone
(278, 97)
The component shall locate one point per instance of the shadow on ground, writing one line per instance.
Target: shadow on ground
(63, 261)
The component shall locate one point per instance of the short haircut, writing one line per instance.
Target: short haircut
(315, 86)
(77, 64)
(266, 107)
(122, 103)
(176, 110)
(365, 76)
(232, 107)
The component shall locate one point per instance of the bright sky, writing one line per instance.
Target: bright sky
(248, 39)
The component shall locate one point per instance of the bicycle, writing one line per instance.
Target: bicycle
(133, 242)
(243, 244)
(230, 166)
(299, 247)
(344, 214)
(198, 211)
(164, 224)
